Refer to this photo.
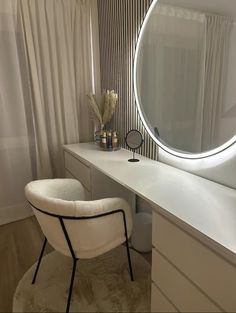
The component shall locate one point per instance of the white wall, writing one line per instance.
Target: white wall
(220, 168)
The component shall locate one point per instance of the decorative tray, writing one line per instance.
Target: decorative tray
(109, 149)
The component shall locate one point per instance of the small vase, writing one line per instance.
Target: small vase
(98, 133)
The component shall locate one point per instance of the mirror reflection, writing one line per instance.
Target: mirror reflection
(186, 73)
(134, 139)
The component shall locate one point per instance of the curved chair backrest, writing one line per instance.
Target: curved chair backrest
(92, 229)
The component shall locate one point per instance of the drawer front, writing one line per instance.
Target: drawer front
(87, 192)
(78, 169)
(159, 302)
(210, 272)
(181, 292)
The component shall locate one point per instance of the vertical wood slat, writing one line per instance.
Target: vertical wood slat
(119, 25)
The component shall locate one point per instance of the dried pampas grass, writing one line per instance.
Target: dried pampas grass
(95, 108)
(104, 112)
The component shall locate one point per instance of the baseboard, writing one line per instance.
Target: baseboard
(15, 213)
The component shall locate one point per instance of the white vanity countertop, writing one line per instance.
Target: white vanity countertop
(205, 206)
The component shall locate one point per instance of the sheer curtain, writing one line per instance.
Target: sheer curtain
(218, 34)
(16, 137)
(174, 80)
(184, 84)
(49, 61)
(59, 38)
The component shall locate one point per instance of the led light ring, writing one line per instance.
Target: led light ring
(169, 150)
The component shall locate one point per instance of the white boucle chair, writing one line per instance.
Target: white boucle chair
(75, 227)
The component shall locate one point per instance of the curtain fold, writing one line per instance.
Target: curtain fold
(87, 62)
(218, 31)
(58, 42)
(49, 61)
(16, 136)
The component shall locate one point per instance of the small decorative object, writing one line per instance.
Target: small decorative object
(114, 140)
(109, 141)
(103, 112)
(103, 141)
(134, 141)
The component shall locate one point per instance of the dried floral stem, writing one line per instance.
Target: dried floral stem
(95, 108)
(105, 111)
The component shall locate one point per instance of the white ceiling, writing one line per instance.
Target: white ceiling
(224, 7)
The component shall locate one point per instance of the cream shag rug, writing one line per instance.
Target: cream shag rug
(101, 284)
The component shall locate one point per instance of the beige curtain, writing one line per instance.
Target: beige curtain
(172, 75)
(218, 32)
(61, 43)
(49, 61)
(16, 136)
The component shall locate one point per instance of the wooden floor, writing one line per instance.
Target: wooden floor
(20, 245)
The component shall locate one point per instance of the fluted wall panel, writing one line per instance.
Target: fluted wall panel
(119, 25)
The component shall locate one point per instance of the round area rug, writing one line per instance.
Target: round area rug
(101, 284)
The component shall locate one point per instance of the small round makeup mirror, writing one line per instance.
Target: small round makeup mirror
(134, 141)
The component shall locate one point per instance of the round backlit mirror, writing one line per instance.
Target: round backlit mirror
(134, 141)
(185, 73)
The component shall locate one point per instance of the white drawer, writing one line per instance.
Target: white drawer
(78, 169)
(159, 302)
(87, 192)
(182, 293)
(209, 271)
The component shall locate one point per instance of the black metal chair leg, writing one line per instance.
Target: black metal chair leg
(71, 285)
(129, 259)
(39, 260)
(127, 247)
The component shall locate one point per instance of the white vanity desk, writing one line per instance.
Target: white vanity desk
(194, 225)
